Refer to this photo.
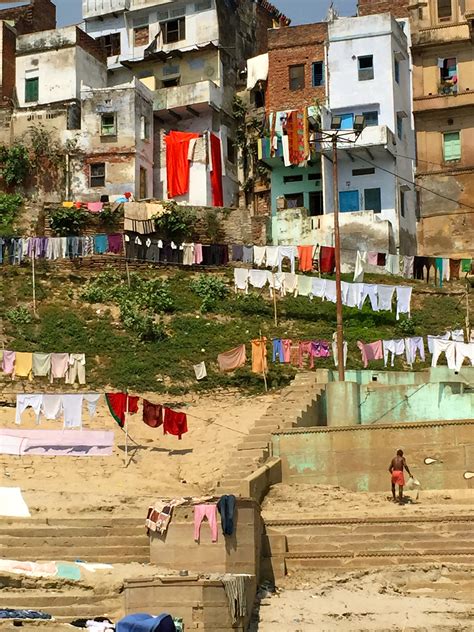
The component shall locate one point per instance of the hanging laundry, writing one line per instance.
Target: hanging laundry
(92, 400)
(259, 355)
(408, 262)
(237, 252)
(454, 268)
(327, 259)
(305, 347)
(23, 365)
(330, 291)
(198, 253)
(351, 293)
(247, 256)
(392, 264)
(290, 283)
(372, 258)
(174, 423)
(209, 512)
(370, 351)
(95, 207)
(8, 362)
(464, 351)
(72, 408)
(24, 401)
(115, 244)
(334, 350)
(188, 254)
(305, 258)
(216, 171)
(431, 339)
(152, 414)
(448, 348)
(119, 404)
(361, 260)
(258, 278)
(41, 365)
(68, 204)
(233, 359)
(295, 129)
(395, 347)
(457, 335)
(52, 406)
(318, 287)
(466, 265)
(226, 508)
(412, 346)
(281, 350)
(77, 368)
(439, 271)
(259, 254)
(319, 349)
(200, 370)
(305, 285)
(177, 162)
(272, 256)
(385, 297)
(59, 365)
(369, 290)
(403, 300)
(287, 252)
(381, 259)
(276, 281)
(241, 279)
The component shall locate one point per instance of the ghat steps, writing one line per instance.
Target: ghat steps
(314, 544)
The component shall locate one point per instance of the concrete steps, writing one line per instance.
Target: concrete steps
(289, 545)
(94, 540)
(295, 405)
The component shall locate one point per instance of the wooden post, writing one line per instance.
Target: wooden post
(126, 433)
(274, 300)
(262, 348)
(33, 275)
(126, 260)
(468, 324)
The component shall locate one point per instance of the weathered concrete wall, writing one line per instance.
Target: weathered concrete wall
(239, 553)
(201, 603)
(434, 375)
(358, 458)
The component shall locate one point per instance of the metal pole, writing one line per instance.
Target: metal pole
(339, 330)
(274, 300)
(33, 281)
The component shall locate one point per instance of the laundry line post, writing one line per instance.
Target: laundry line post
(126, 430)
(33, 280)
(262, 349)
(126, 260)
(468, 324)
(274, 300)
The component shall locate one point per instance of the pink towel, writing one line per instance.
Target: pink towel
(59, 365)
(370, 351)
(372, 258)
(95, 207)
(8, 362)
(197, 253)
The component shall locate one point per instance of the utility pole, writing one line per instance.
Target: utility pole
(337, 244)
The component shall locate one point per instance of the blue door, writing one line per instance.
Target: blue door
(348, 201)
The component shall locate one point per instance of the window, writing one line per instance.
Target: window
(259, 98)
(397, 71)
(367, 171)
(231, 153)
(204, 5)
(97, 174)
(347, 121)
(348, 201)
(371, 118)
(31, 89)
(316, 203)
(366, 67)
(448, 74)
(399, 126)
(372, 200)
(287, 179)
(294, 200)
(111, 44)
(318, 74)
(108, 125)
(402, 202)
(144, 128)
(141, 32)
(173, 30)
(314, 176)
(143, 183)
(451, 146)
(170, 83)
(444, 10)
(73, 116)
(296, 77)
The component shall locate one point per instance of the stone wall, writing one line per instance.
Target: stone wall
(398, 8)
(357, 458)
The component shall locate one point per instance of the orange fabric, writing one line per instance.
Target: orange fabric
(398, 478)
(177, 163)
(259, 355)
(233, 359)
(305, 258)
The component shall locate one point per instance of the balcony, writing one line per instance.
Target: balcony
(96, 8)
(441, 34)
(188, 100)
(443, 101)
(375, 136)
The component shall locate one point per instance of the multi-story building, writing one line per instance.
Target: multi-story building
(369, 75)
(443, 90)
(191, 56)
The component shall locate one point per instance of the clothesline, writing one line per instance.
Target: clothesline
(26, 365)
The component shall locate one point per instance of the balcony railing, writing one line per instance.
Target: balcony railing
(96, 8)
(175, 97)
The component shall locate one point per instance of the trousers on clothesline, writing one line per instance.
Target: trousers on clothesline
(209, 512)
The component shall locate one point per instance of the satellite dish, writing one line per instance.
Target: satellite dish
(468, 475)
(429, 461)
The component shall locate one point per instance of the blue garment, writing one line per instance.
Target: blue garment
(278, 350)
(100, 244)
(142, 622)
(10, 613)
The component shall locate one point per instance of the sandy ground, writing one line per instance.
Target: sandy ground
(324, 501)
(158, 465)
(406, 599)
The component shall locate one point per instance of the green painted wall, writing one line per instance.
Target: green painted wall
(280, 188)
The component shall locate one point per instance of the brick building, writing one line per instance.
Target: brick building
(398, 8)
(37, 15)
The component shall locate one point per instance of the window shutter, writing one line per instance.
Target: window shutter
(452, 146)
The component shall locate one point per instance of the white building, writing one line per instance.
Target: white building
(369, 73)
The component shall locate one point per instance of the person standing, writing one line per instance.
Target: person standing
(397, 465)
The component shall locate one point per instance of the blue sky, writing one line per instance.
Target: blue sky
(300, 11)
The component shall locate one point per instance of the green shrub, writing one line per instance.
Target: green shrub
(211, 289)
(19, 316)
(10, 205)
(68, 221)
(252, 304)
(105, 288)
(142, 324)
(155, 295)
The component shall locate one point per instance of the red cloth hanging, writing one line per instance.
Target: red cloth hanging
(216, 173)
(327, 259)
(152, 414)
(174, 423)
(177, 162)
(119, 404)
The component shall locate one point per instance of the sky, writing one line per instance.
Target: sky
(300, 11)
